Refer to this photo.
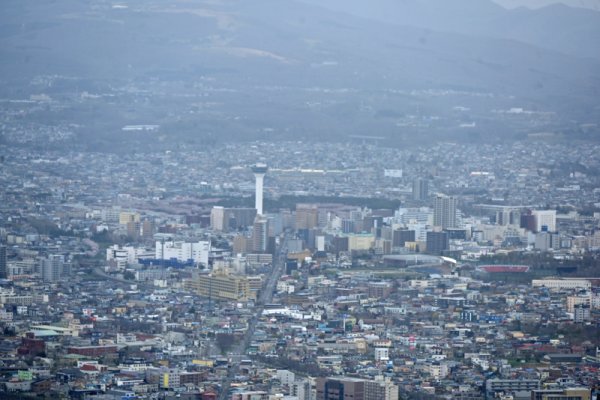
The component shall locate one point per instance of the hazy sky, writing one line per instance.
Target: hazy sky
(593, 4)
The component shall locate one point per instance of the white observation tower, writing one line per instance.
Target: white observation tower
(259, 171)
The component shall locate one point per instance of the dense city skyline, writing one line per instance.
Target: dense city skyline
(300, 200)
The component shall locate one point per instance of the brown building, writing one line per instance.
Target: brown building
(92, 351)
(133, 229)
(194, 378)
(380, 290)
(31, 347)
(528, 221)
(307, 216)
(148, 229)
(344, 388)
(401, 236)
(42, 386)
(209, 396)
(241, 244)
(334, 389)
(580, 393)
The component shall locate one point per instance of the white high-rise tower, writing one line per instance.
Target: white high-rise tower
(444, 211)
(259, 171)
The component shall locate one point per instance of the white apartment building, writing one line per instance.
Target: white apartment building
(545, 218)
(569, 283)
(198, 251)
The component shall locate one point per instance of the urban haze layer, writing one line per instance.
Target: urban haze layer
(299, 199)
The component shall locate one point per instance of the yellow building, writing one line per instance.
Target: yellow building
(578, 393)
(573, 301)
(412, 246)
(221, 285)
(255, 284)
(301, 256)
(360, 242)
(204, 363)
(128, 216)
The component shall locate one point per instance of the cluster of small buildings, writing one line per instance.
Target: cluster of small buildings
(137, 281)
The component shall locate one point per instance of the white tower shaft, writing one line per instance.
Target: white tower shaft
(259, 193)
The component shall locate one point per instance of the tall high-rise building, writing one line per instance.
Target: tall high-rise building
(259, 171)
(260, 235)
(147, 229)
(3, 267)
(420, 189)
(52, 268)
(444, 211)
(218, 220)
(302, 389)
(133, 229)
(581, 313)
(528, 221)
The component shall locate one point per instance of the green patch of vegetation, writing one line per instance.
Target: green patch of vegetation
(47, 227)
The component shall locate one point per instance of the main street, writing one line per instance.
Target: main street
(266, 296)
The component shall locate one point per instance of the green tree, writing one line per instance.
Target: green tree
(129, 275)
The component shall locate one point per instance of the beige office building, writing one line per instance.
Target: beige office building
(221, 285)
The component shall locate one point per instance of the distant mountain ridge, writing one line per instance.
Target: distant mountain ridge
(237, 67)
(591, 4)
(570, 30)
(105, 40)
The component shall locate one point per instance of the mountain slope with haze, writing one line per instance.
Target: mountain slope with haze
(233, 69)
